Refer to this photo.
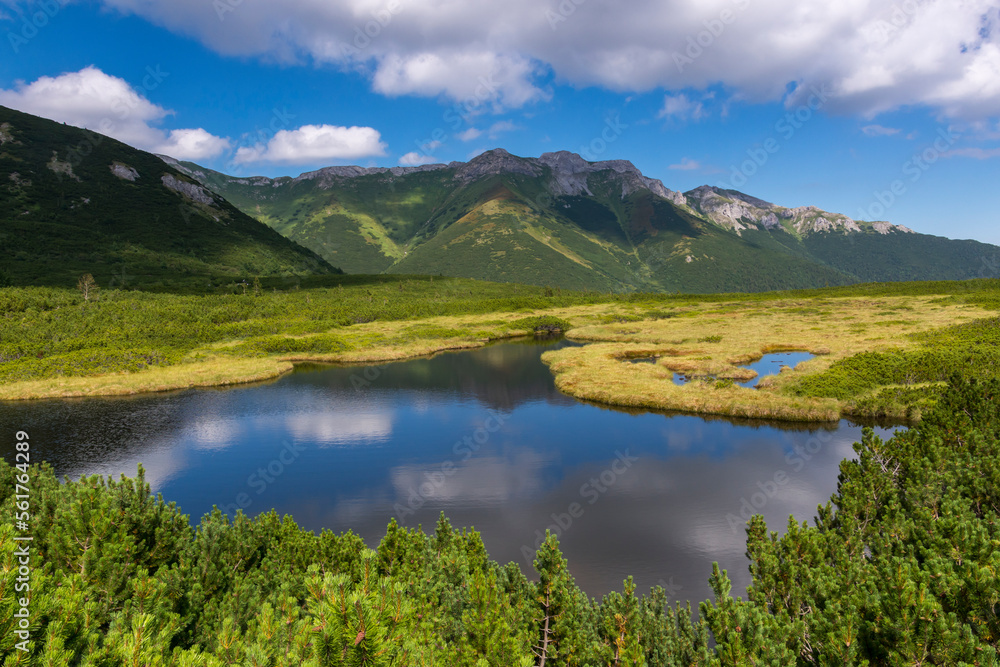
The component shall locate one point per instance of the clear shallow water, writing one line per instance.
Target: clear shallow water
(769, 364)
(482, 435)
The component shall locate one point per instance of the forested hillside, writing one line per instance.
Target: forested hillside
(76, 202)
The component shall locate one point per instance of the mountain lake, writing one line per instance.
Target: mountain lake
(482, 435)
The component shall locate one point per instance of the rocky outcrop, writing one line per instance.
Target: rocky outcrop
(737, 211)
(886, 228)
(192, 191)
(496, 161)
(327, 175)
(124, 172)
(570, 173)
(61, 167)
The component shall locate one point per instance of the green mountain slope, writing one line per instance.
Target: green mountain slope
(74, 201)
(559, 220)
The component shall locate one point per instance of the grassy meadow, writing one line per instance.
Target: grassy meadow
(883, 350)
(881, 357)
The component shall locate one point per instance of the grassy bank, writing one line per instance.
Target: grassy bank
(884, 349)
(878, 355)
(55, 344)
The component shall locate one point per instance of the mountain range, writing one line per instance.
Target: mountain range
(560, 220)
(73, 201)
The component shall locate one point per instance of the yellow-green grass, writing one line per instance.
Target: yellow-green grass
(373, 342)
(712, 340)
(695, 336)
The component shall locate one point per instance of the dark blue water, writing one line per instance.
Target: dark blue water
(483, 436)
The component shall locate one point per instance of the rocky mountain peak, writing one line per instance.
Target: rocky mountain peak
(570, 174)
(738, 211)
(496, 161)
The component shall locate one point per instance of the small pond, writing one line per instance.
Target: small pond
(769, 364)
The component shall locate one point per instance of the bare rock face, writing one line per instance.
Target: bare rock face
(884, 228)
(732, 212)
(192, 191)
(570, 175)
(327, 176)
(61, 167)
(737, 211)
(496, 161)
(124, 172)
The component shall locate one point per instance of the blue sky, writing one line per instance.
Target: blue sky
(873, 108)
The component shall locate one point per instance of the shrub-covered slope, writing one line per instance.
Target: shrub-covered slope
(74, 201)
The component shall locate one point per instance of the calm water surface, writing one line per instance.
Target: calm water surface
(483, 436)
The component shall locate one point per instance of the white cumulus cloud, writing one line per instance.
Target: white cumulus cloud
(872, 55)
(193, 144)
(107, 104)
(315, 143)
(680, 107)
(414, 159)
